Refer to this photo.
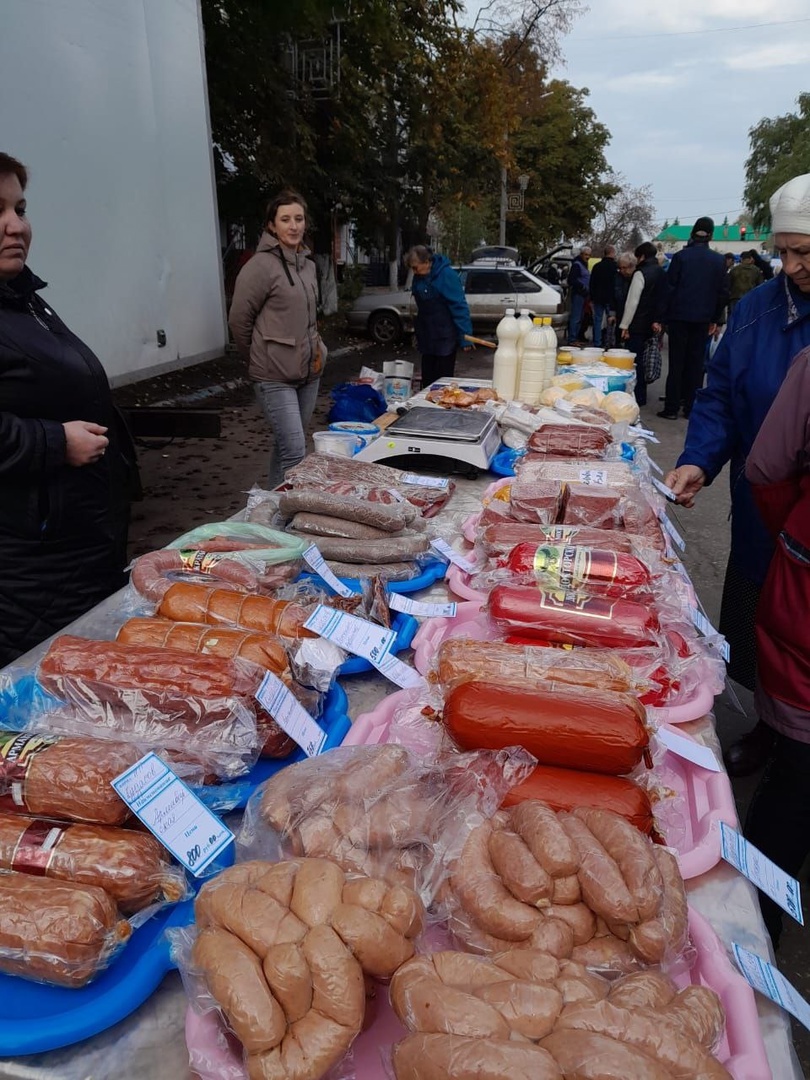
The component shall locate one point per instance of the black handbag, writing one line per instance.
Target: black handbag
(651, 359)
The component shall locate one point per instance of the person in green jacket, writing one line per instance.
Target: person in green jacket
(742, 278)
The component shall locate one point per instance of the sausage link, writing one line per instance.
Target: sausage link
(545, 837)
(603, 887)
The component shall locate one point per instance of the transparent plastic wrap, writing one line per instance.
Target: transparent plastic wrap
(499, 538)
(569, 727)
(225, 607)
(201, 707)
(514, 439)
(392, 548)
(378, 516)
(561, 440)
(380, 810)
(526, 613)
(424, 1056)
(276, 546)
(250, 570)
(281, 951)
(540, 501)
(599, 571)
(651, 1055)
(130, 866)
(57, 932)
(369, 601)
(586, 885)
(612, 473)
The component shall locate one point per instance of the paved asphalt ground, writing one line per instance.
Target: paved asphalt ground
(190, 481)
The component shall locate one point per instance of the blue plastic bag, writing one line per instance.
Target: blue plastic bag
(356, 401)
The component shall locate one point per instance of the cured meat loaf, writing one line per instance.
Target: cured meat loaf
(500, 537)
(393, 549)
(310, 500)
(130, 866)
(262, 649)
(203, 604)
(567, 789)
(596, 570)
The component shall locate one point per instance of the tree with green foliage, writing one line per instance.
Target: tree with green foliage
(780, 150)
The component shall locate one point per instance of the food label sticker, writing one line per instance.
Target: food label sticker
(688, 749)
(593, 476)
(783, 889)
(769, 981)
(358, 636)
(424, 481)
(170, 810)
(313, 558)
(290, 715)
(668, 493)
(453, 556)
(645, 433)
(672, 532)
(400, 673)
(398, 496)
(704, 627)
(419, 608)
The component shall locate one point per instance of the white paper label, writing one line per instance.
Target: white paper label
(424, 481)
(290, 715)
(419, 608)
(645, 433)
(593, 476)
(358, 636)
(783, 889)
(672, 532)
(398, 496)
(704, 627)
(313, 558)
(668, 493)
(765, 978)
(453, 556)
(690, 750)
(563, 406)
(170, 810)
(400, 673)
(655, 466)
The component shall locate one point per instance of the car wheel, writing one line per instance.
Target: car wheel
(385, 328)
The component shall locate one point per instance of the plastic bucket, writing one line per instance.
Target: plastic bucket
(363, 431)
(398, 376)
(344, 443)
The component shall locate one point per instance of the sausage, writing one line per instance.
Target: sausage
(424, 1003)
(545, 837)
(64, 778)
(250, 914)
(559, 726)
(150, 572)
(324, 525)
(650, 1032)
(528, 1008)
(130, 866)
(601, 882)
(318, 891)
(262, 649)
(606, 954)
(338, 990)
(453, 1057)
(632, 853)
(204, 604)
(483, 895)
(469, 972)
(390, 571)
(586, 1055)
(531, 965)
(56, 931)
(565, 789)
(393, 549)
(386, 518)
(576, 983)
(287, 973)
(643, 990)
(378, 947)
(665, 935)
(553, 936)
(308, 1051)
(566, 890)
(564, 566)
(578, 916)
(235, 979)
(698, 1014)
(500, 537)
(517, 868)
(572, 619)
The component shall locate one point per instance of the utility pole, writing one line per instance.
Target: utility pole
(502, 227)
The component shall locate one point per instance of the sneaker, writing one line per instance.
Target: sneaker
(667, 415)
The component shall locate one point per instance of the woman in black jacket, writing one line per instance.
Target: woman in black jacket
(66, 461)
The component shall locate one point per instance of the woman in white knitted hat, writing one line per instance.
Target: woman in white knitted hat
(768, 328)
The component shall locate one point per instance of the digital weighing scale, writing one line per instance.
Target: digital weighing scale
(470, 436)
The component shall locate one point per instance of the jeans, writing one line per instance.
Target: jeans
(575, 318)
(437, 367)
(687, 353)
(599, 312)
(288, 410)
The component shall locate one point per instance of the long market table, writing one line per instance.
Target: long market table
(150, 1043)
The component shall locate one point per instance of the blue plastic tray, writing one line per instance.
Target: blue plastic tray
(432, 571)
(503, 464)
(405, 627)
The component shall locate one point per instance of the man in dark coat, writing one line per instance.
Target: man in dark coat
(697, 280)
(579, 279)
(603, 290)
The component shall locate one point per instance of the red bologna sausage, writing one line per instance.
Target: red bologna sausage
(500, 537)
(566, 789)
(572, 618)
(553, 566)
(587, 729)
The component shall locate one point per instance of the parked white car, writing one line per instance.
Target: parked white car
(386, 315)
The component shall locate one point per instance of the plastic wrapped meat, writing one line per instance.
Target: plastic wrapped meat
(570, 440)
(540, 501)
(500, 537)
(604, 573)
(595, 505)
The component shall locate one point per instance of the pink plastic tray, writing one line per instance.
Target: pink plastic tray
(216, 1056)
(470, 527)
(470, 622)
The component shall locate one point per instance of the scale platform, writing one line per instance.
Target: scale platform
(464, 435)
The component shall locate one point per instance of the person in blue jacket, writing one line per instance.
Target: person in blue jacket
(442, 313)
(769, 326)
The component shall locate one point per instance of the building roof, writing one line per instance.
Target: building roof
(723, 231)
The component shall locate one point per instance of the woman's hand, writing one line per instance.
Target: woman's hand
(685, 482)
(84, 442)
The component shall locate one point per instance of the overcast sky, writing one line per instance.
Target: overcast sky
(678, 87)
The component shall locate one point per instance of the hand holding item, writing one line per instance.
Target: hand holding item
(625, 335)
(84, 442)
(685, 481)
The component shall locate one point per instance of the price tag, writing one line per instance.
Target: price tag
(358, 636)
(453, 556)
(703, 626)
(645, 433)
(424, 481)
(313, 558)
(672, 532)
(593, 476)
(689, 749)
(783, 889)
(400, 673)
(398, 496)
(668, 493)
(170, 810)
(290, 714)
(655, 466)
(769, 981)
(418, 607)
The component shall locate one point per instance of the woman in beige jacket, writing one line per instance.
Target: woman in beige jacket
(273, 320)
